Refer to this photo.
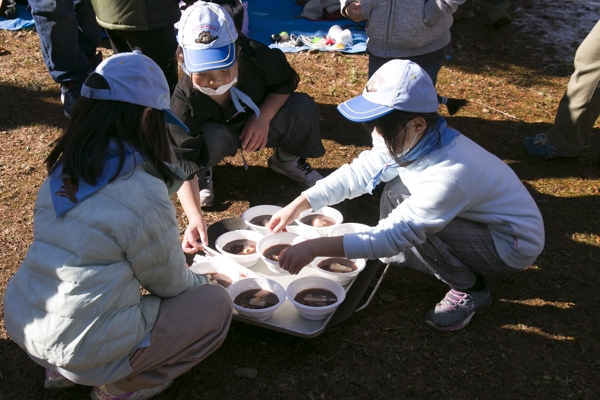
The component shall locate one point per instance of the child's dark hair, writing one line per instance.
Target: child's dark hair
(391, 128)
(81, 149)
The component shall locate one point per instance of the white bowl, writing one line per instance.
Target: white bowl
(242, 285)
(257, 211)
(304, 231)
(310, 282)
(328, 212)
(274, 239)
(343, 278)
(348, 227)
(216, 267)
(246, 260)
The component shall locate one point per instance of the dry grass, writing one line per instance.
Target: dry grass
(539, 339)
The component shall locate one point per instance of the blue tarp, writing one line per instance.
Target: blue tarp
(267, 17)
(23, 20)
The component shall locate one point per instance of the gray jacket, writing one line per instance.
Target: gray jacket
(75, 302)
(406, 28)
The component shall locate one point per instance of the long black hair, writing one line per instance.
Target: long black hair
(95, 123)
(392, 128)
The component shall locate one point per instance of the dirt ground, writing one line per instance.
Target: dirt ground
(538, 340)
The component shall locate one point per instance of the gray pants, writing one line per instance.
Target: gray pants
(190, 326)
(452, 254)
(580, 105)
(294, 129)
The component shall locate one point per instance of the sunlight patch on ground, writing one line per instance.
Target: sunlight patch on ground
(568, 187)
(586, 238)
(537, 331)
(565, 305)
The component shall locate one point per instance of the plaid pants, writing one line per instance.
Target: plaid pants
(452, 254)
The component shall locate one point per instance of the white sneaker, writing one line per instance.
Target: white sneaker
(102, 393)
(297, 169)
(207, 195)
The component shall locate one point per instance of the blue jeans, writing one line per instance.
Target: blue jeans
(68, 34)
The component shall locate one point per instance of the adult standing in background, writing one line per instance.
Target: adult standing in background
(69, 35)
(145, 25)
(578, 109)
(494, 10)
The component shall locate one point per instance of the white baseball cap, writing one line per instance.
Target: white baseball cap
(207, 36)
(134, 78)
(396, 85)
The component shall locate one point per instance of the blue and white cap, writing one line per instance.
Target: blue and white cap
(397, 85)
(207, 36)
(136, 79)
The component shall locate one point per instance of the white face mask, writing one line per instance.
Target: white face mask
(410, 146)
(218, 91)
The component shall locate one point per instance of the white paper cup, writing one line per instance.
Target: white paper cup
(344, 37)
(334, 30)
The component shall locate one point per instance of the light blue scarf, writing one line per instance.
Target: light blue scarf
(66, 195)
(428, 143)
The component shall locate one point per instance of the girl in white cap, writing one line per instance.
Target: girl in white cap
(235, 93)
(105, 227)
(449, 207)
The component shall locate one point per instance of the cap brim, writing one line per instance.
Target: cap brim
(172, 119)
(360, 109)
(200, 60)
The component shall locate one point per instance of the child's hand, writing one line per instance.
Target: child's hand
(296, 257)
(353, 11)
(195, 236)
(255, 134)
(288, 214)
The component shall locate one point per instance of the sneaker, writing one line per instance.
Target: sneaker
(540, 147)
(498, 18)
(297, 169)
(457, 308)
(102, 393)
(55, 380)
(69, 94)
(207, 195)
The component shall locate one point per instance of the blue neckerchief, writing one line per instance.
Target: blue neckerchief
(66, 195)
(237, 95)
(428, 143)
